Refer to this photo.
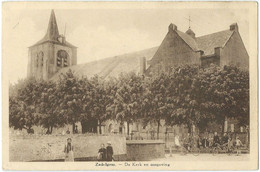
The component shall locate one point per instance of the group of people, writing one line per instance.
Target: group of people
(104, 153)
(206, 142)
(225, 140)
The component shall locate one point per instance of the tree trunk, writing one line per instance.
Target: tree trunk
(51, 129)
(100, 132)
(158, 129)
(48, 130)
(73, 128)
(82, 127)
(128, 128)
(189, 128)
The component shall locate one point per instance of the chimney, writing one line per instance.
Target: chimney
(172, 27)
(217, 51)
(142, 65)
(233, 27)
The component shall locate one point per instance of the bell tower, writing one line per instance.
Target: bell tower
(51, 53)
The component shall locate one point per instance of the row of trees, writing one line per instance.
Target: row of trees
(187, 95)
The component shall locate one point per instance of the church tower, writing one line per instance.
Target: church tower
(51, 53)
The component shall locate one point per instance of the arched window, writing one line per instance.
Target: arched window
(62, 58)
(36, 60)
(40, 58)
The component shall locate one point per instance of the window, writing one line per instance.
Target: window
(232, 127)
(59, 61)
(39, 59)
(36, 62)
(65, 62)
(62, 58)
(241, 129)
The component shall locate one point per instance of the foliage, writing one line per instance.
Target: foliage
(187, 95)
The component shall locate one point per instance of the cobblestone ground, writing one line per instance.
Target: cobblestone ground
(204, 157)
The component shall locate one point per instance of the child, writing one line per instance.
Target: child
(102, 153)
(230, 144)
(238, 145)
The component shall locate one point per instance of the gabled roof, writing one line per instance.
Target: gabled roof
(207, 43)
(52, 33)
(189, 40)
(111, 66)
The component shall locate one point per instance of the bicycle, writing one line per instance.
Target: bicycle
(219, 148)
(190, 149)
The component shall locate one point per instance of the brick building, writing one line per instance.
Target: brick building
(178, 48)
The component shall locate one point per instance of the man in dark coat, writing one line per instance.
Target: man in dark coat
(225, 138)
(109, 152)
(216, 140)
(205, 142)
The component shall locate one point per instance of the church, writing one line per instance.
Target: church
(54, 55)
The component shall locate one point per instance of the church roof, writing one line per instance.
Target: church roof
(189, 40)
(207, 43)
(52, 33)
(111, 66)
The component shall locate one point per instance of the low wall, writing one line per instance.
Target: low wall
(50, 147)
(144, 150)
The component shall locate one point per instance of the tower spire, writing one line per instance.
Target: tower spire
(52, 31)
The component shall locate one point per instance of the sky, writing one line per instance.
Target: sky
(101, 33)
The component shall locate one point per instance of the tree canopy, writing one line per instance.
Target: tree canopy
(188, 95)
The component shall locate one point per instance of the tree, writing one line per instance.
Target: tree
(226, 92)
(156, 101)
(128, 98)
(22, 106)
(98, 99)
(69, 95)
(49, 106)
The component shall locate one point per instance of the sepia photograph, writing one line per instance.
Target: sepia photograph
(129, 86)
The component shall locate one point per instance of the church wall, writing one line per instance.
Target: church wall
(173, 52)
(49, 67)
(74, 55)
(234, 53)
(29, 65)
(39, 71)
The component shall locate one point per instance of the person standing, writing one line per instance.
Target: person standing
(177, 141)
(68, 150)
(109, 152)
(239, 144)
(102, 154)
(216, 140)
(205, 142)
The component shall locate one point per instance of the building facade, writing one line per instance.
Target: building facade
(51, 53)
(179, 48)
